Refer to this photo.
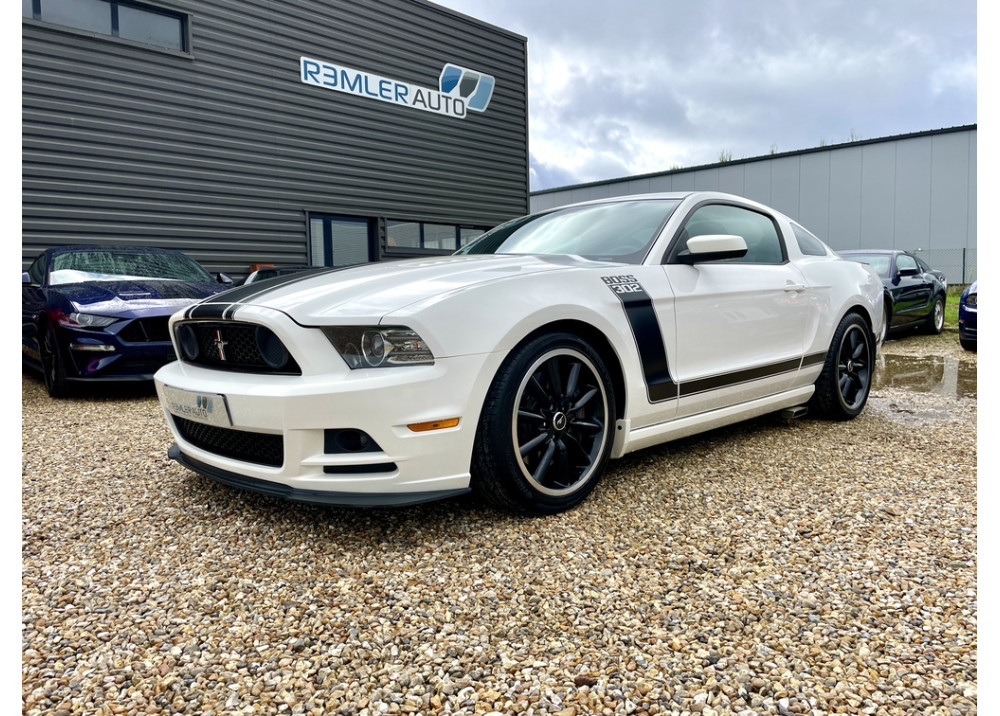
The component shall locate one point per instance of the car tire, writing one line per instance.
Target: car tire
(844, 384)
(935, 321)
(545, 432)
(967, 344)
(53, 368)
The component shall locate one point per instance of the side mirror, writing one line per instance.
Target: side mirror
(713, 247)
(224, 278)
(908, 272)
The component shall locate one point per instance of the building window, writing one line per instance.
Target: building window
(339, 240)
(440, 238)
(125, 20)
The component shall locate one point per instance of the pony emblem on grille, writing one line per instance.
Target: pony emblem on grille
(220, 345)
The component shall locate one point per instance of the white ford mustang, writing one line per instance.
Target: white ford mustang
(520, 365)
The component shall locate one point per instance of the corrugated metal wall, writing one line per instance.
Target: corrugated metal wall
(223, 151)
(908, 192)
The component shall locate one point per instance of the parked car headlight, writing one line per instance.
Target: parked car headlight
(379, 346)
(85, 320)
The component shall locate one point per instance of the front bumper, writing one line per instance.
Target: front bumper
(325, 497)
(301, 420)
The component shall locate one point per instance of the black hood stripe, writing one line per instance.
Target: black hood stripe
(224, 305)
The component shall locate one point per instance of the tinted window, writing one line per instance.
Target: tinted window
(904, 263)
(126, 20)
(808, 244)
(759, 232)
(37, 270)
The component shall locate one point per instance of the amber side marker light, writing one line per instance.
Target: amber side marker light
(433, 425)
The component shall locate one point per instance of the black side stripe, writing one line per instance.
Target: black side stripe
(703, 385)
(660, 385)
(648, 339)
(813, 359)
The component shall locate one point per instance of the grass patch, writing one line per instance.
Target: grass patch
(951, 306)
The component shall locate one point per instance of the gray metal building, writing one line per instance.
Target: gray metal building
(913, 191)
(250, 131)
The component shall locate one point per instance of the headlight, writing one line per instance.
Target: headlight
(85, 320)
(379, 346)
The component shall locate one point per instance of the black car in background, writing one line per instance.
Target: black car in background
(915, 293)
(99, 313)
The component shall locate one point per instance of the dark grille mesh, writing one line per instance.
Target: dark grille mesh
(146, 330)
(240, 345)
(259, 448)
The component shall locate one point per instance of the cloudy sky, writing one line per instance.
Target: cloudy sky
(624, 87)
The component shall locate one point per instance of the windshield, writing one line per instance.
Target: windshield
(616, 231)
(879, 262)
(100, 265)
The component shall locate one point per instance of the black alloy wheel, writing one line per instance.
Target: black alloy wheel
(844, 384)
(545, 433)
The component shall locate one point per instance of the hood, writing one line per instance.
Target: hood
(135, 295)
(371, 291)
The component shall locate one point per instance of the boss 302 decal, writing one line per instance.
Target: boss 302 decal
(648, 338)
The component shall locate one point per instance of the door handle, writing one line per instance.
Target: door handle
(797, 287)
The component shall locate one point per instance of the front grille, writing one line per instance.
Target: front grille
(146, 330)
(259, 448)
(235, 346)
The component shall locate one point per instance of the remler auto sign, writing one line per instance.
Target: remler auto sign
(459, 89)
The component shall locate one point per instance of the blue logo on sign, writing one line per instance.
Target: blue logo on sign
(474, 87)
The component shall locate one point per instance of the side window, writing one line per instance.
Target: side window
(808, 244)
(924, 266)
(759, 231)
(37, 270)
(904, 262)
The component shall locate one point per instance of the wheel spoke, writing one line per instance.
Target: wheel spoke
(574, 377)
(584, 400)
(540, 394)
(563, 474)
(544, 464)
(587, 426)
(555, 379)
(526, 449)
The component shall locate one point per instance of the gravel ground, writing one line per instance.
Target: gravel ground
(769, 568)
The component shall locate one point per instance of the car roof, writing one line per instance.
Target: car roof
(872, 251)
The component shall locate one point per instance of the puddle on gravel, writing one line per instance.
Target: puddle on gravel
(926, 374)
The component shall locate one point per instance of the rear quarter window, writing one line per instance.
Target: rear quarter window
(808, 244)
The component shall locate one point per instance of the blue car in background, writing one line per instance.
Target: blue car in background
(967, 310)
(99, 313)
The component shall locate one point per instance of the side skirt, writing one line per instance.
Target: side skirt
(628, 440)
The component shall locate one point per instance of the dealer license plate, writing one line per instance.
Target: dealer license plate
(208, 408)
